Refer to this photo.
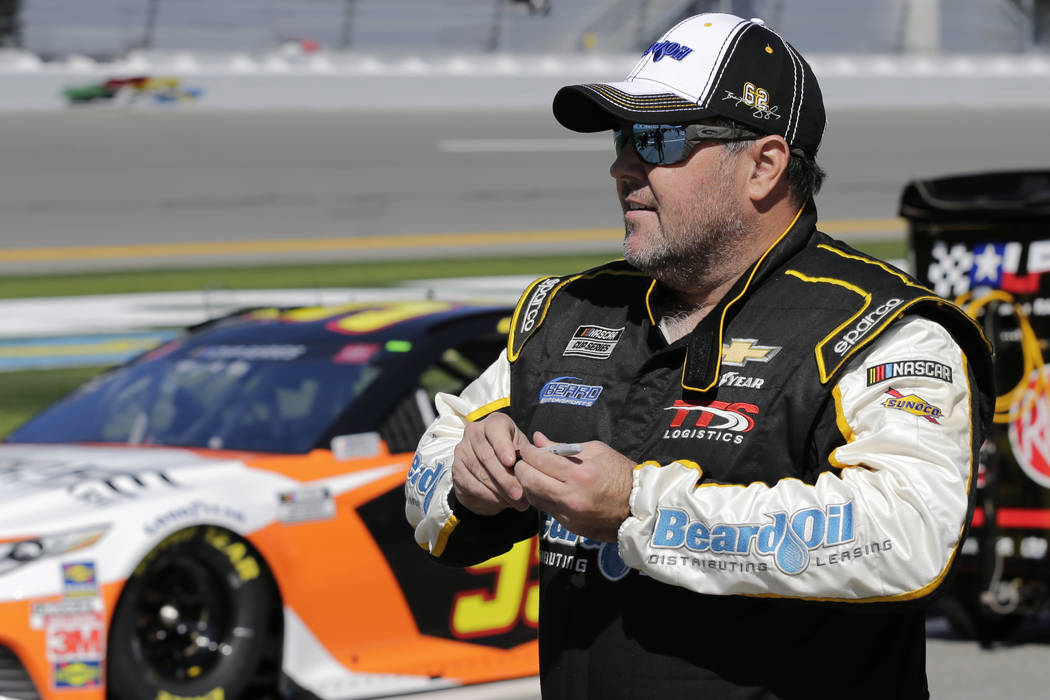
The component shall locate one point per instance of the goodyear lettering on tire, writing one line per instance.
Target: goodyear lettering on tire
(213, 694)
(236, 551)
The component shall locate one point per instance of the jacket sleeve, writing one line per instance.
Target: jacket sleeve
(447, 530)
(883, 522)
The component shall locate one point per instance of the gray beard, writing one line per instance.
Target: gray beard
(693, 257)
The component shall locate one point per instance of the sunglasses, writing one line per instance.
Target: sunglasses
(667, 144)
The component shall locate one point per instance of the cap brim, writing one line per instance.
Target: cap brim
(600, 106)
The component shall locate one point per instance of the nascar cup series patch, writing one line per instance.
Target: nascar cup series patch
(596, 342)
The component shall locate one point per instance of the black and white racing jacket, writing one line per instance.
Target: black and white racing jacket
(807, 453)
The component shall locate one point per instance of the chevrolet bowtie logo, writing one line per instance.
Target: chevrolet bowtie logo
(739, 351)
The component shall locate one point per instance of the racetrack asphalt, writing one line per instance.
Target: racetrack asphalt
(99, 189)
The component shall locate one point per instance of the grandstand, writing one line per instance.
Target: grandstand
(105, 29)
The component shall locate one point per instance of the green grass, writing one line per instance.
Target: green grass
(884, 250)
(370, 274)
(24, 393)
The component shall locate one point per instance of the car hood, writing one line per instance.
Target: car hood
(48, 483)
(55, 495)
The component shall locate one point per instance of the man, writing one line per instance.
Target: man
(778, 433)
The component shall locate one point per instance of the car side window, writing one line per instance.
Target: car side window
(450, 373)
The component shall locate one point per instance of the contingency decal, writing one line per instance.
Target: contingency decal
(77, 674)
(306, 504)
(78, 637)
(75, 633)
(79, 579)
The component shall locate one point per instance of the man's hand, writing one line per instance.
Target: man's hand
(588, 493)
(483, 468)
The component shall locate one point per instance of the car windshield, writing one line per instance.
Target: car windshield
(268, 398)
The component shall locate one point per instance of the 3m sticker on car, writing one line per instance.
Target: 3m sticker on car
(75, 637)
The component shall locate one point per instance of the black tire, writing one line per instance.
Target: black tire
(195, 619)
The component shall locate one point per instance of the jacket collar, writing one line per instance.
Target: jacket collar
(703, 362)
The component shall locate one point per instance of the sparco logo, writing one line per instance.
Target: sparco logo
(864, 325)
(788, 539)
(532, 309)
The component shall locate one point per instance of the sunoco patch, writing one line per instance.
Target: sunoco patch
(593, 341)
(915, 405)
(77, 674)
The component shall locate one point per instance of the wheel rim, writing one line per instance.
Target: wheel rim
(183, 619)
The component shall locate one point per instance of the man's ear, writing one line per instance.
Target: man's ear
(768, 162)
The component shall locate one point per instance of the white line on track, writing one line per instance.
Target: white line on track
(524, 145)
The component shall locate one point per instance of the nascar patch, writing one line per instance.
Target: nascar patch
(915, 405)
(596, 342)
(909, 368)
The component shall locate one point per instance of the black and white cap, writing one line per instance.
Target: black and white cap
(710, 65)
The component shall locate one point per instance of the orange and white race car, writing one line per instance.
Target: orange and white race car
(223, 518)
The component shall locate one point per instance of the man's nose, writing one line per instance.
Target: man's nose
(627, 166)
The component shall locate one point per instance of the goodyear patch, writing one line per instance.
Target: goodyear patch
(78, 674)
(909, 368)
(913, 404)
(79, 579)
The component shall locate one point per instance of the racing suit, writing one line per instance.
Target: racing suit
(805, 476)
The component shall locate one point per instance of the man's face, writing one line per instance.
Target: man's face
(680, 220)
